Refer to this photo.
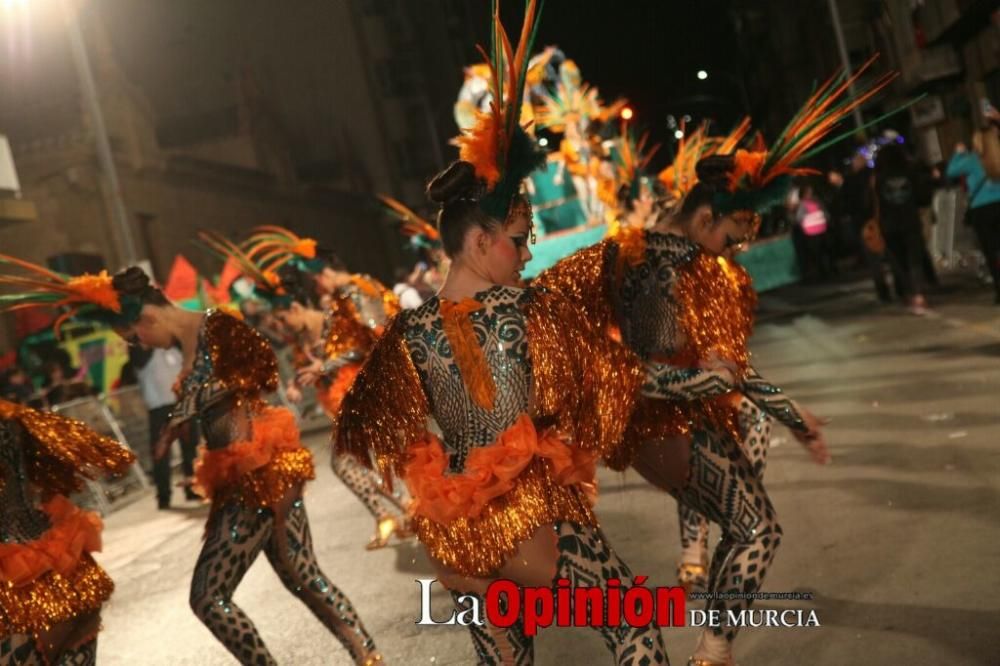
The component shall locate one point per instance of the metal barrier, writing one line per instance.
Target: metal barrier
(953, 243)
(103, 495)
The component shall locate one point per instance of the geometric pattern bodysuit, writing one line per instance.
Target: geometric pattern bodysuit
(725, 484)
(584, 555)
(237, 533)
(350, 309)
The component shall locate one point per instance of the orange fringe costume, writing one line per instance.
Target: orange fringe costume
(717, 302)
(53, 578)
(257, 472)
(540, 470)
(345, 332)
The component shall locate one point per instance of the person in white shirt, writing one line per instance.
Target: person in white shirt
(157, 371)
(409, 297)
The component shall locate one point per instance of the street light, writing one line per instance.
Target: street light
(104, 155)
(627, 113)
(119, 217)
(733, 79)
(679, 134)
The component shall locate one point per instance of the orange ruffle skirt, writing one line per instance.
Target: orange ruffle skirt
(474, 521)
(331, 396)
(53, 578)
(259, 472)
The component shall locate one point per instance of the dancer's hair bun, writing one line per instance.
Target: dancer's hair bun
(714, 170)
(458, 181)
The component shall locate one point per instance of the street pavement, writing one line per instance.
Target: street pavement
(897, 540)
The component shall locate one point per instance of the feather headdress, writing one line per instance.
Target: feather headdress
(760, 178)
(88, 296)
(680, 176)
(632, 158)
(572, 102)
(258, 267)
(420, 232)
(497, 146)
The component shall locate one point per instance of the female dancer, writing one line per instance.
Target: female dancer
(51, 590)
(521, 393)
(254, 467)
(331, 344)
(675, 301)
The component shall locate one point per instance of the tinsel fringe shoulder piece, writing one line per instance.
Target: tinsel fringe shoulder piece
(331, 396)
(242, 359)
(61, 452)
(53, 578)
(584, 389)
(716, 301)
(346, 330)
(385, 411)
(257, 473)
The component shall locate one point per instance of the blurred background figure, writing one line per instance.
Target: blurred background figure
(16, 386)
(407, 287)
(896, 192)
(857, 205)
(813, 232)
(62, 382)
(157, 371)
(983, 212)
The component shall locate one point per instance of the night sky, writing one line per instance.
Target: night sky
(648, 52)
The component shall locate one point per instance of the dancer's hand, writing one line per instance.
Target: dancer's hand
(293, 393)
(813, 439)
(308, 375)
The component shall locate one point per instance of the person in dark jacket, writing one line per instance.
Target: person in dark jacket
(897, 190)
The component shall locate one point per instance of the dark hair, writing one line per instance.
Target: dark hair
(457, 191)
(133, 281)
(624, 196)
(713, 178)
(299, 286)
(891, 158)
(329, 259)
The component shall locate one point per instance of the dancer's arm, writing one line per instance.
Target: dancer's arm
(773, 401)
(806, 427)
(671, 382)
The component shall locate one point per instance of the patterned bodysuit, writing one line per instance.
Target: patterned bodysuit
(584, 555)
(725, 483)
(46, 452)
(349, 326)
(233, 367)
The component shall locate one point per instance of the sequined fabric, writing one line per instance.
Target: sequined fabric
(53, 598)
(501, 329)
(677, 307)
(647, 310)
(373, 303)
(546, 359)
(478, 547)
(59, 452)
(254, 454)
(344, 330)
(20, 519)
(233, 366)
(46, 573)
(258, 472)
